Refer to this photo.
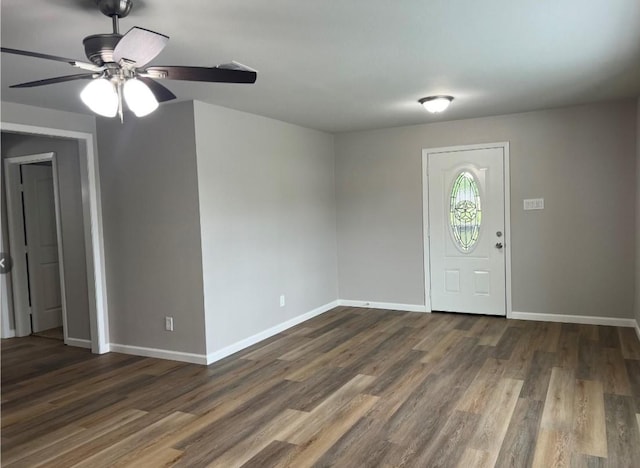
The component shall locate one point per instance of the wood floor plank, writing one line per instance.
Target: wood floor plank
(633, 372)
(127, 450)
(519, 442)
(370, 388)
(277, 453)
(536, 381)
(11, 454)
(490, 331)
(614, 373)
(623, 436)
(496, 418)
(425, 410)
(559, 404)
(362, 445)
(251, 446)
(51, 451)
(589, 332)
(629, 342)
(579, 460)
(567, 354)
(475, 458)
(553, 449)
(519, 363)
(609, 337)
(589, 427)
(207, 444)
(443, 347)
(589, 359)
(447, 448)
(480, 391)
(314, 447)
(157, 458)
(304, 429)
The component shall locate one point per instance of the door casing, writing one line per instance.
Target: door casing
(507, 216)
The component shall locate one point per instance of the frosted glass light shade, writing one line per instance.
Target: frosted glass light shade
(435, 104)
(101, 97)
(139, 97)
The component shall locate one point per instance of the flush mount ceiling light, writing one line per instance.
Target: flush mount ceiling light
(435, 104)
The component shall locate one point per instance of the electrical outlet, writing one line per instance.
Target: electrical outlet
(168, 323)
(282, 301)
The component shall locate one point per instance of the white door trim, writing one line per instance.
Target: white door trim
(507, 215)
(14, 220)
(94, 241)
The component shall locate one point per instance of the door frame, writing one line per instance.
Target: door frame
(15, 220)
(93, 232)
(504, 145)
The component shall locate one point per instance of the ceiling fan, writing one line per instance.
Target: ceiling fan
(118, 68)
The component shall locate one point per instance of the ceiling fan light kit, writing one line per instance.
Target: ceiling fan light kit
(119, 72)
(139, 97)
(436, 104)
(101, 97)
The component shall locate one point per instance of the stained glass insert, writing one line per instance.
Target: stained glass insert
(465, 212)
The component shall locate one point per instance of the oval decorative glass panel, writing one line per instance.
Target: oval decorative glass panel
(465, 211)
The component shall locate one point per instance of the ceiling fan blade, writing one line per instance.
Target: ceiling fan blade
(72, 62)
(160, 92)
(59, 79)
(139, 46)
(209, 74)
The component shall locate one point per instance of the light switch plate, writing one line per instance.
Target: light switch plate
(534, 204)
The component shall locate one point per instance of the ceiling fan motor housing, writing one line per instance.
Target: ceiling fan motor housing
(99, 47)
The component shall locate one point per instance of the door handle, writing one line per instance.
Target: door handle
(499, 245)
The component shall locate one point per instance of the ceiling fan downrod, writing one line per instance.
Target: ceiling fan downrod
(115, 9)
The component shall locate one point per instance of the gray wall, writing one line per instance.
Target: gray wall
(152, 229)
(49, 118)
(267, 207)
(638, 213)
(571, 258)
(75, 266)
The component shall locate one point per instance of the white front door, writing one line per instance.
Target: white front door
(42, 247)
(466, 213)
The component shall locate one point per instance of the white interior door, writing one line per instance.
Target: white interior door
(42, 247)
(467, 231)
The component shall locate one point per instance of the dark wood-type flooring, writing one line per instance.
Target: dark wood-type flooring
(52, 333)
(350, 388)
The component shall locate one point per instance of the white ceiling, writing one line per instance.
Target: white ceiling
(340, 65)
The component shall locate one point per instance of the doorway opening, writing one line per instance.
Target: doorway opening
(81, 263)
(45, 223)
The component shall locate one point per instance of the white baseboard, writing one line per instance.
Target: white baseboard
(582, 319)
(78, 342)
(245, 343)
(384, 305)
(638, 329)
(158, 353)
(10, 333)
